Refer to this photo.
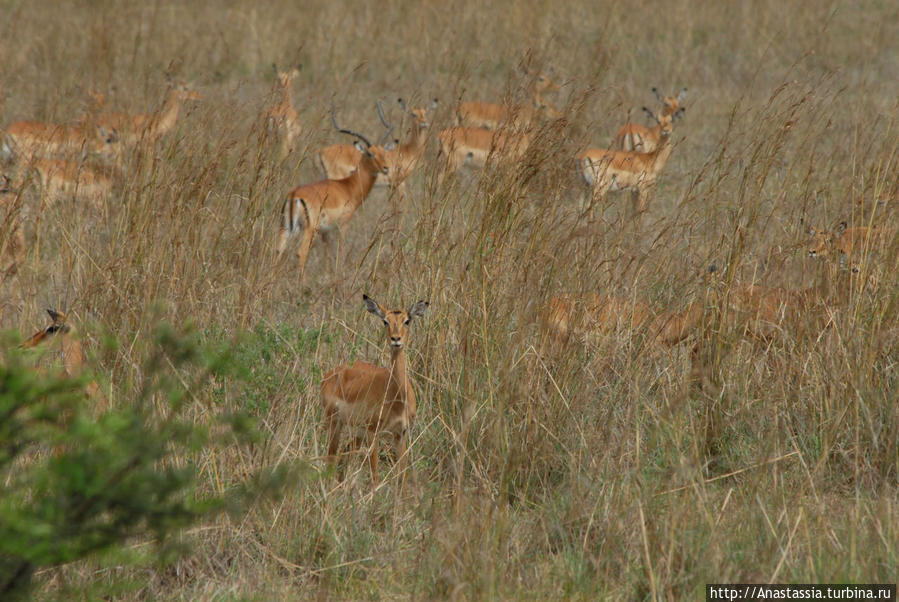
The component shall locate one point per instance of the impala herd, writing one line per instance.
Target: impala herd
(79, 162)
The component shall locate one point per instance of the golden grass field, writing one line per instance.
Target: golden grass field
(604, 468)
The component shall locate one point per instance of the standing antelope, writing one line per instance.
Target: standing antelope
(150, 126)
(12, 239)
(60, 329)
(371, 399)
(635, 137)
(282, 118)
(473, 146)
(327, 205)
(340, 160)
(605, 170)
(491, 116)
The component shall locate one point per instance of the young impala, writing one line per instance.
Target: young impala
(282, 118)
(326, 206)
(605, 170)
(12, 239)
(488, 115)
(340, 160)
(149, 126)
(370, 399)
(635, 137)
(61, 330)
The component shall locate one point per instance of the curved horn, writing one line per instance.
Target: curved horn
(383, 119)
(346, 131)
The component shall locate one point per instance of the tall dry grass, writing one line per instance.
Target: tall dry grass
(597, 469)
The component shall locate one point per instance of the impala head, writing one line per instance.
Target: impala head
(107, 142)
(543, 81)
(419, 115)
(58, 325)
(377, 154)
(396, 321)
(182, 90)
(670, 104)
(664, 122)
(822, 240)
(286, 77)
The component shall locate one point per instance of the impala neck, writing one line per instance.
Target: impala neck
(362, 180)
(398, 376)
(286, 96)
(167, 117)
(662, 152)
(416, 143)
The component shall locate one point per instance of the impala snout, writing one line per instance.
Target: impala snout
(396, 342)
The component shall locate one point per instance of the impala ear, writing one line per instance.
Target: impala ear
(841, 228)
(418, 309)
(681, 95)
(402, 104)
(812, 231)
(360, 147)
(658, 94)
(373, 307)
(433, 105)
(651, 114)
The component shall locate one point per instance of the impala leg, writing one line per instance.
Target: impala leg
(303, 252)
(399, 448)
(334, 428)
(373, 460)
(283, 235)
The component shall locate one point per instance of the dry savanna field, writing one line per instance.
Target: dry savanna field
(609, 405)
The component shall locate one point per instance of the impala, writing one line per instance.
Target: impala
(12, 239)
(371, 399)
(473, 146)
(327, 205)
(635, 137)
(491, 116)
(61, 180)
(604, 170)
(340, 160)
(27, 139)
(149, 126)
(282, 118)
(848, 243)
(61, 330)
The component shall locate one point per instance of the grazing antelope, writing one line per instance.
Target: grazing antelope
(282, 117)
(61, 180)
(12, 239)
(371, 399)
(150, 126)
(340, 160)
(848, 243)
(635, 137)
(326, 206)
(605, 170)
(61, 330)
(27, 139)
(491, 116)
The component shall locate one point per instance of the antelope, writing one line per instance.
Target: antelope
(473, 146)
(12, 239)
(848, 243)
(567, 315)
(328, 205)
(27, 139)
(635, 137)
(61, 329)
(491, 116)
(73, 179)
(340, 160)
(150, 126)
(605, 170)
(282, 117)
(372, 399)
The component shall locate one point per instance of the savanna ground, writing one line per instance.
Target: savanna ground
(591, 470)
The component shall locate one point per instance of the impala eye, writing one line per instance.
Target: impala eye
(385, 323)
(406, 321)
